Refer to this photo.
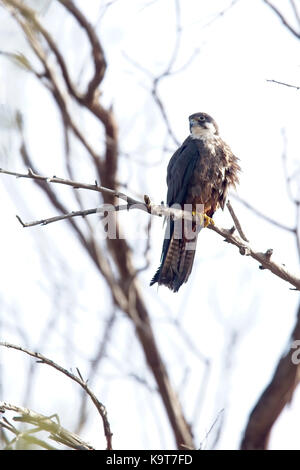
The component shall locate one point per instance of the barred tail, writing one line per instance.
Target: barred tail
(177, 262)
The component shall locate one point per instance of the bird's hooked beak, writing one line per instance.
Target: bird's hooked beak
(193, 123)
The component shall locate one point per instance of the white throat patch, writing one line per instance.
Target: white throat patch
(198, 132)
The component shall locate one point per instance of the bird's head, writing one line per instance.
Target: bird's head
(202, 125)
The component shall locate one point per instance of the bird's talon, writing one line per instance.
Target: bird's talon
(207, 220)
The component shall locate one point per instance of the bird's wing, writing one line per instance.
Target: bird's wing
(180, 170)
(179, 173)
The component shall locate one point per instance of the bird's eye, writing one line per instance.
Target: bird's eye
(202, 118)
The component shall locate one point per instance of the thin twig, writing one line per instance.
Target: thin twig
(296, 13)
(97, 50)
(74, 184)
(94, 366)
(285, 84)
(82, 213)
(262, 215)
(236, 222)
(165, 73)
(262, 257)
(50, 220)
(283, 19)
(201, 446)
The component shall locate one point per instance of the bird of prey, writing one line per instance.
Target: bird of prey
(199, 173)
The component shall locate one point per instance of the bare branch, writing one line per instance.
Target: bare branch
(97, 51)
(276, 396)
(236, 222)
(296, 13)
(94, 365)
(165, 73)
(100, 407)
(74, 184)
(82, 213)
(285, 84)
(283, 19)
(202, 443)
(264, 258)
(262, 215)
(223, 12)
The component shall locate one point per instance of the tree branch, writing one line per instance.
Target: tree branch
(264, 258)
(74, 184)
(277, 394)
(236, 222)
(97, 51)
(283, 19)
(262, 215)
(285, 84)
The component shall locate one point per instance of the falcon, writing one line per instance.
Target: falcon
(199, 174)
